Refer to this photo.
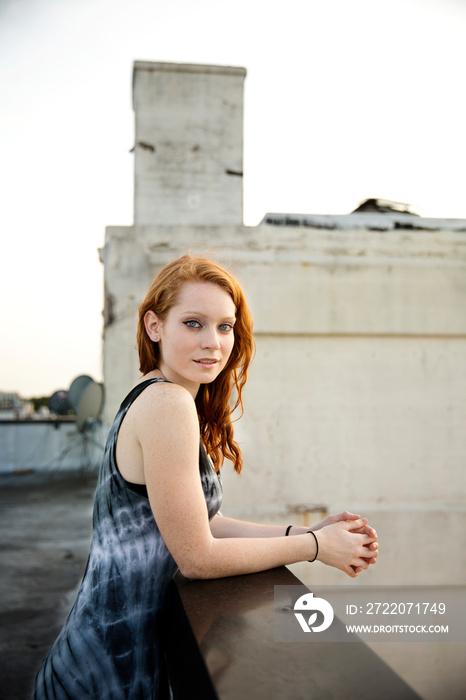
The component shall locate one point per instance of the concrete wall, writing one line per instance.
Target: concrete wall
(357, 396)
(189, 144)
(48, 446)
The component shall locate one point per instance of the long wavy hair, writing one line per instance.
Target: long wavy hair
(213, 401)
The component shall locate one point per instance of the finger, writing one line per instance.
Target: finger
(353, 525)
(346, 515)
(368, 530)
(373, 555)
(357, 569)
(364, 553)
(362, 541)
(362, 564)
(368, 540)
(370, 560)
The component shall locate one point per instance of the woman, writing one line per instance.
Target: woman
(158, 495)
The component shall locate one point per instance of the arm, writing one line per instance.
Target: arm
(221, 526)
(167, 430)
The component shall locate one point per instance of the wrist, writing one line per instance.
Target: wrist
(297, 530)
(313, 534)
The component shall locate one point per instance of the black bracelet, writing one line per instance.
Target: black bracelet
(288, 530)
(317, 545)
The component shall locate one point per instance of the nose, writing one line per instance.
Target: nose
(210, 339)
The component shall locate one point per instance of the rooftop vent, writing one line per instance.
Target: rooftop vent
(383, 206)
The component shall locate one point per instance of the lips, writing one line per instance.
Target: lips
(208, 362)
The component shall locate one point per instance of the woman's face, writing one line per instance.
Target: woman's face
(196, 338)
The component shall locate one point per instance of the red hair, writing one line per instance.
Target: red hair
(212, 400)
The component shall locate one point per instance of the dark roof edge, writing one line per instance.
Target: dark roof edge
(371, 221)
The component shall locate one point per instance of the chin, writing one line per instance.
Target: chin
(209, 376)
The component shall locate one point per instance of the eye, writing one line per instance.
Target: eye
(226, 327)
(192, 324)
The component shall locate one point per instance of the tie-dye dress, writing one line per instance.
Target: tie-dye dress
(113, 644)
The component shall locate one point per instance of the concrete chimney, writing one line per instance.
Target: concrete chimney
(188, 144)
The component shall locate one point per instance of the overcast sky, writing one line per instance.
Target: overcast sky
(343, 101)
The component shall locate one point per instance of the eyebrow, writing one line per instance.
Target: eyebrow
(199, 313)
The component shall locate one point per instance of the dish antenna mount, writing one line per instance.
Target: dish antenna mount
(86, 397)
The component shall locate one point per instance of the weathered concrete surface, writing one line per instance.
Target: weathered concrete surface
(48, 445)
(45, 519)
(356, 397)
(188, 143)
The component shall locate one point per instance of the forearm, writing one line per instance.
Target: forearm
(230, 527)
(342, 545)
(233, 556)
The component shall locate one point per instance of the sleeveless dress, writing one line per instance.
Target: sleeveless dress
(113, 645)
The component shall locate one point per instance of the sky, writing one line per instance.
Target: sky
(343, 101)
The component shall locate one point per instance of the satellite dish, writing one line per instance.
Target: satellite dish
(90, 405)
(86, 398)
(77, 389)
(59, 402)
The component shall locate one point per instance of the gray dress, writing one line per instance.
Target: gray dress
(114, 644)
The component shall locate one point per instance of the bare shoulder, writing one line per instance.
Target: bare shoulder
(161, 416)
(166, 427)
(165, 394)
(163, 404)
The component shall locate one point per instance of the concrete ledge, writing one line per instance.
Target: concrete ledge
(233, 622)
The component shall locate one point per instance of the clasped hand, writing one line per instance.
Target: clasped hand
(343, 553)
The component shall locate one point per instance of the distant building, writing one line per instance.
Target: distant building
(10, 405)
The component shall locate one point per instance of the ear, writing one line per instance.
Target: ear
(152, 325)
